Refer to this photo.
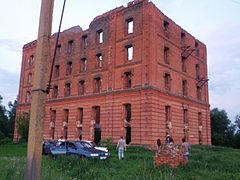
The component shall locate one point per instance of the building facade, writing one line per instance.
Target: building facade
(133, 73)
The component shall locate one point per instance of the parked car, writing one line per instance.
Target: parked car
(79, 148)
(47, 144)
(92, 144)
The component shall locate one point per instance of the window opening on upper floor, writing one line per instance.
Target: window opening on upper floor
(166, 55)
(100, 36)
(99, 60)
(130, 25)
(67, 89)
(81, 87)
(167, 81)
(70, 47)
(69, 68)
(129, 52)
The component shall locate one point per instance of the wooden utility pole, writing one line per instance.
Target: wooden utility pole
(37, 112)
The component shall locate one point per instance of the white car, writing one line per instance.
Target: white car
(92, 144)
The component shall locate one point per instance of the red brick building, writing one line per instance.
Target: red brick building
(134, 72)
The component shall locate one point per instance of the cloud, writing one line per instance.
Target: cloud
(11, 44)
(9, 86)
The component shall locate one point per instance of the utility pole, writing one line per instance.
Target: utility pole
(37, 113)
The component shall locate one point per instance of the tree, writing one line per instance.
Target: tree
(11, 117)
(3, 120)
(237, 121)
(23, 126)
(221, 129)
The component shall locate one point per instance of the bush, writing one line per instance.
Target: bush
(5, 140)
(23, 126)
(108, 142)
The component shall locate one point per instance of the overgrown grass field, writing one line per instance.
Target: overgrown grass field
(206, 162)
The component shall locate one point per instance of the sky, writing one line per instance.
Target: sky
(214, 22)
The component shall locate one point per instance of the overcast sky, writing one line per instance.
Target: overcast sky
(214, 22)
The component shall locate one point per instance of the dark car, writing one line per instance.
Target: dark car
(79, 148)
(47, 144)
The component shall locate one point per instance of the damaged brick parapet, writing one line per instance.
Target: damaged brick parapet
(169, 154)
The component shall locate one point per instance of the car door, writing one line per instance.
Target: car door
(72, 148)
(60, 148)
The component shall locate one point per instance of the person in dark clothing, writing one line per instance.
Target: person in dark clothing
(158, 145)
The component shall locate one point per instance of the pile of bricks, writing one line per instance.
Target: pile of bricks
(170, 154)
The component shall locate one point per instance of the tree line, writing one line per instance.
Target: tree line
(223, 131)
(7, 121)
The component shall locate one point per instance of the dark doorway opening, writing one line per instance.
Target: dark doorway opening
(97, 127)
(128, 116)
(128, 135)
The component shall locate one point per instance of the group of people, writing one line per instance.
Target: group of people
(121, 146)
(169, 140)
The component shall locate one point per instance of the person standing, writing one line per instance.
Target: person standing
(159, 145)
(121, 146)
(185, 148)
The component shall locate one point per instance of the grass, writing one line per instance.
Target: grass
(206, 162)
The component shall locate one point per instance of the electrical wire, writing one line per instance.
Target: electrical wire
(55, 50)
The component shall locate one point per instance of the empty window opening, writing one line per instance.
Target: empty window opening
(166, 55)
(97, 127)
(127, 80)
(185, 116)
(166, 28)
(197, 71)
(65, 123)
(69, 68)
(55, 91)
(185, 121)
(99, 60)
(84, 41)
(199, 93)
(67, 89)
(184, 87)
(29, 79)
(167, 81)
(166, 25)
(57, 71)
(81, 87)
(129, 52)
(79, 123)
(28, 97)
(197, 50)
(130, 25)
(184, 65)
(183, 39)
(52, 123)
(100, 36)
(70, 47)
(83, 64)
(97, 82)
(200, 127)
(127, 122)
(58, 49)
(168, 119)
(31, 60)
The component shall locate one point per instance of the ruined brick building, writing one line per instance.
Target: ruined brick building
(134, 72)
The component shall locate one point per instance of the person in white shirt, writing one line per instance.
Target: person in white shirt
(120, 147)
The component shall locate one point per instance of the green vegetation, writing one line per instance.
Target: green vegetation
(223, 132)
(7, 120)
(206, 162)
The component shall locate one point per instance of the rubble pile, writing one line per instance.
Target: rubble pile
(170, 154)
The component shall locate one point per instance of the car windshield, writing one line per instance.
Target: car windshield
(85, 144)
